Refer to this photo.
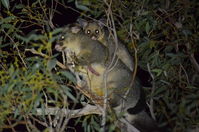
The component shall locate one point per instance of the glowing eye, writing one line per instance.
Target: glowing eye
(88, 31)
(97, 31)
(62, 37)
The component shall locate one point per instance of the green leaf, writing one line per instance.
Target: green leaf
(34, 37)
(68, 93)
(81, 7)
(144, 13)
(1, 39)
(69, 75)
(152, 43)
(174, 55)
(158, 91)
(37, 101)
(53, 39)
(89, 128)
(6, 3)
(16, 113)
(7, 26)
(3, 45)
(157, 71)
(187, 32)
(19, 6)
(147, 28)
(57, 30)
(7, 19)
(51, 64)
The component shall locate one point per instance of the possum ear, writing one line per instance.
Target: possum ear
(75, 29)
(83, 23)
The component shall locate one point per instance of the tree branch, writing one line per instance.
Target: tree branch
(86, 110)
(46, 56)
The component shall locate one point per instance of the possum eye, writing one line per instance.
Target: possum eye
(62, 37)
(97, 31)
(88, 31)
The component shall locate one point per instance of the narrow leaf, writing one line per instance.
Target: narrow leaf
(69, 76)
(51, 64)
(6, 3)
(147, 28)
(81, 7)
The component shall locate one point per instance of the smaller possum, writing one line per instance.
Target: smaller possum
(96, 31)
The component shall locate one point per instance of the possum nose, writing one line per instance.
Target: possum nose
(58, 47)
(94, 38)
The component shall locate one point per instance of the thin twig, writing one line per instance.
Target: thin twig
(3, 67)
(51, 14)
(27, 125)
(63, 124)
(9, 122)
(135, 55)
(30, 124)
(186, 75)
(152, 92)
(16, 48)
(86, 110)
(46, 105)
(39, 121)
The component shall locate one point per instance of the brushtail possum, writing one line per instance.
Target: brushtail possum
(96, 31)
(94, 57)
